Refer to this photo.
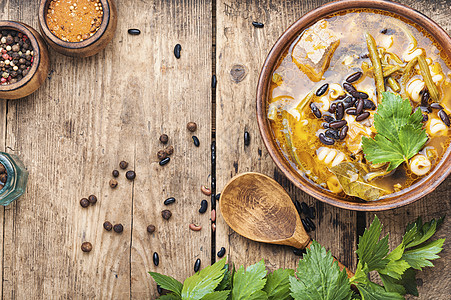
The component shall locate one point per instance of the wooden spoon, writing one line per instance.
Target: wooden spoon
(258, 208)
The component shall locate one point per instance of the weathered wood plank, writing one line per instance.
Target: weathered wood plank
(239, 43)
(174, 92)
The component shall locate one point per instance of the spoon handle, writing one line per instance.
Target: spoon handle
(340, 265)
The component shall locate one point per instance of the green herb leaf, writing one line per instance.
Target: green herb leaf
(278, 284)
(203, 282)
(168, 283)
(226, 283)
(246, 283)
(373, 291)
(319, 277)
(395, 268)
(409, 282)
(218, 295)
(421, 256)
(399, 132)
(170, 296)
(370, 250)
(417, 232)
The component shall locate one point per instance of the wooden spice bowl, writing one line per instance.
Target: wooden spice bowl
(88, 47)
(39, 69)
(416, 191)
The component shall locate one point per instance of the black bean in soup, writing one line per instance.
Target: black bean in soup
(362, 116)
(326, 140)
(328, 119)
(351, 111)
(343, 132)
(315, 110)
(359, 106)
(338, 124)
(333, 108)
(354, 77)
(368, 104)
(332, 133)
(322, 90)
(436, 106)
(339, 113)
(349, 88)
(445, 118)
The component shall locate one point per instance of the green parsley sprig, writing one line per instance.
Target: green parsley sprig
(317, 276)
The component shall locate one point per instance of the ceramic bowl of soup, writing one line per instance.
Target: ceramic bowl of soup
(354, 103)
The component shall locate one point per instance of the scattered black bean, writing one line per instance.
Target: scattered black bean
(349, 88)
(159, 289)
(197, 265)
(258, 24)
(115, 173)
(306, 227)
(328, 119)
(425, 98)
(362, 116)
(107, 225)
(164, 161)
(315, 110)
(322, 90)
(218, 196)
(326, 140)
(134, 31)
(310, 223)
(359, 106)
(247, 138)
(343, 132)
(299, 252)
(130, 175)
(164, 138)
(86, 247)
(203, 206)
(118, 228)
(221, 252)
(312, 212)
(354, 77)
(123, 165)
(156, 259)
(177, 50)
(166, 214)
(445, 118)
(332, 133)
(333, 108)
(213, 81)
(151, 228)
(368, 104)
(339, 113)
(325, 125)
(338, 124)
(298, 207)
(84, 202)
(436, 106)
(92, 199)
(351, 111)
(425, 118)
(304, 206)
(169, 201)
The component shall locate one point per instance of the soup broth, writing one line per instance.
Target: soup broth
(330, 66)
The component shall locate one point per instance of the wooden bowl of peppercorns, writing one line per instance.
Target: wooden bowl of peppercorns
(24, 60)
(78, 28)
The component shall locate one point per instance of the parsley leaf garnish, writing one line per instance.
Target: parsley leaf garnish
(399, 132)
(278, 284)
(318, 277)
(168, 283)
(249, 284)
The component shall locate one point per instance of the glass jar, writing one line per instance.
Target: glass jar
(16, 181)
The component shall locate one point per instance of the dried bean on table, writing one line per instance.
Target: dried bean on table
(177, 50)
(258, 24)
(203, 206)
(134, 31)
(197, 265)
(156, 259)
(164, 161)
(196, 141)
(169, 201)
(221, 252)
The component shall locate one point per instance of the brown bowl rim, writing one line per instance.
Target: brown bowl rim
(395, 200)
(22, 27)
(73, 45)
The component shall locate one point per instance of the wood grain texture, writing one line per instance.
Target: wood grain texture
(240, 46)
(73, 132)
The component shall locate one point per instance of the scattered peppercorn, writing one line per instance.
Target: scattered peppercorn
(161, 154)
(151, 228)
(107, 225)
(86, 247)
(169, 150)
(191, 126)
(123, 165)
(164, 138)
(113, 183)
(118, 228)
(84, 202)
(92, 199)
(115, 173)
(166, 214)
(130, 175)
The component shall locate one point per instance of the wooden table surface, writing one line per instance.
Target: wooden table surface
(92, 113)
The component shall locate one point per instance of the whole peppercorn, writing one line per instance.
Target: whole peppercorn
(118, 228)
(113, 183)
(164, 138)
(161, 154)
(130, 175)
(191, 126)
(115, 173)
(123, 165)
(108, 226)
(169, 150)
(3, 177)
(92, 199)
(84, 202)
(86, 247)
(166, 214)
(151, 228)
